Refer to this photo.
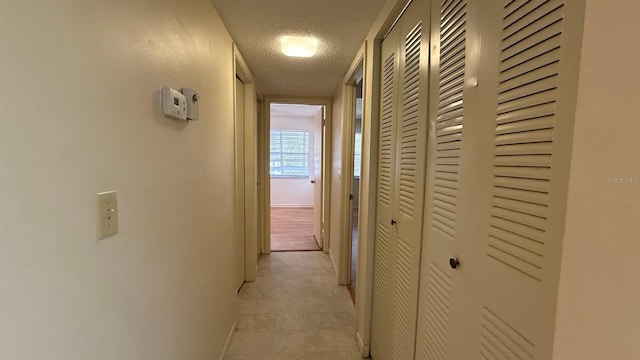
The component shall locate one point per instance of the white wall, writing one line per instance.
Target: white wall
(293, 192)
(599, 301)
(81, 114)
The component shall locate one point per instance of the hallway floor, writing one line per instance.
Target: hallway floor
(292, 229)
(294, 311)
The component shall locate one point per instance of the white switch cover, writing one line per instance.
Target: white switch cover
(107, 214)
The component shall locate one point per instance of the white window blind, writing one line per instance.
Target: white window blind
(289, 153)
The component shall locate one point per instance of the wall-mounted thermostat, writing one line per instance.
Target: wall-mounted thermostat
(192, 103)
(174, 104)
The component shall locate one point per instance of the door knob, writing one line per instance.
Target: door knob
(313, 181)
(454, 263)
(393, 222)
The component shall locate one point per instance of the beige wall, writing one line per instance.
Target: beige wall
(81, 114)
(294, 192)
(336, 178)
(599, 300)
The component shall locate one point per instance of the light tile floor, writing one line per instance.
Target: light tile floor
(295, 311)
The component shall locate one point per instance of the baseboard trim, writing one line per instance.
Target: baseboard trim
(335, 267)
(226, 344)
(364, 349)
(292, 206)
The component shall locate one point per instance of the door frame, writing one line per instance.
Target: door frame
(348, 150)
(326, 166)
(250, 206)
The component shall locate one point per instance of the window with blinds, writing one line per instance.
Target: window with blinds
(357, 155)
(289, 153)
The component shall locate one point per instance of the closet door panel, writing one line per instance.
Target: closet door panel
(401, 184)
(385, 245)
(518, 230)
(410, 175)
(502, 98)
(439, 311)
(534, 101)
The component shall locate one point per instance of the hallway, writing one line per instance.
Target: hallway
(294, 310)
(493, 148)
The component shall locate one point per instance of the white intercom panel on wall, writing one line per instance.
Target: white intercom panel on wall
(174, 104)
(192, 103)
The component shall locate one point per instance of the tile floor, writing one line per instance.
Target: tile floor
(295, 311)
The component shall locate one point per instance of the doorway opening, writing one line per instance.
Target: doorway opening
(355, 186)
(240, 210)
(296, 135)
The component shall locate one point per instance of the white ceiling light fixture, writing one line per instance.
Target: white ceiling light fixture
(299, 46)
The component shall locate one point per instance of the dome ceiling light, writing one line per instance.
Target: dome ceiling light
(299, 46)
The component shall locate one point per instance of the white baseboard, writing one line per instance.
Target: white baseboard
(364, 349)
(227, 344)
(296, 206)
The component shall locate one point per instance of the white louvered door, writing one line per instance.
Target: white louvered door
(410, 176)
(503, 91)
(470, 269)
(385, 232)
(401, 183)
(534, 58)
(439, 297)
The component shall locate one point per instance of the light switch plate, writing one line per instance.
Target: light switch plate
(107, 214)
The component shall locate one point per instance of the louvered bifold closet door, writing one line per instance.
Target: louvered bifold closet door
(410, 176)
(439, 306)
(537, 60)
(385, 233)
(401, 182)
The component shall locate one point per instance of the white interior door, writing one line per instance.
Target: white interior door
(439, 310)
(385, 232)
(501, 122)
(259, 139)
(528, 132)
(316, 178)
(240, 241)
(411, 149)
(401, 185)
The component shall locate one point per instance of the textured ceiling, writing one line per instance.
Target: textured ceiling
(257, 25)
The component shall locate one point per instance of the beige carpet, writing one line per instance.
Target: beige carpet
(292, 229)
